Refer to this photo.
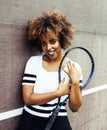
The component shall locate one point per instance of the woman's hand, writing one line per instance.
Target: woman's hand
(63, 88)
(74, 71)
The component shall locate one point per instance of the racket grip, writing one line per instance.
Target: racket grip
(52, 118)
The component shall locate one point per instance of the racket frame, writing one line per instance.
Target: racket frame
(92, 62)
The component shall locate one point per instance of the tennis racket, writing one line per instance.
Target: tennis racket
(84, 59)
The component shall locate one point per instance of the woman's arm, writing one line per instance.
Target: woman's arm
(75, 100)
(31, 98)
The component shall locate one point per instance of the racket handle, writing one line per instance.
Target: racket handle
(52, 118)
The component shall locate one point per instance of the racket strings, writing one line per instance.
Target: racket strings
(81, 58)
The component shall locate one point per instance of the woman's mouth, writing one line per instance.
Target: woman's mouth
(51, 53)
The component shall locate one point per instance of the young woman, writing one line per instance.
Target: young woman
(51, 33)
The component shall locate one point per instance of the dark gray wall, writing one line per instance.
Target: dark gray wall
(89, 18)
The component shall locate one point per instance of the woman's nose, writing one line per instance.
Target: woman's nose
(49, 46)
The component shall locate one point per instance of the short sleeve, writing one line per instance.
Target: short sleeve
(29, 77)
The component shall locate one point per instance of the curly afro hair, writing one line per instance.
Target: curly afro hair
(53, 21)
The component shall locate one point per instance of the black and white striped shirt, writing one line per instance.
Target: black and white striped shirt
(43, 82)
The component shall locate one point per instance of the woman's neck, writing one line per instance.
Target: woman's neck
(50, 65)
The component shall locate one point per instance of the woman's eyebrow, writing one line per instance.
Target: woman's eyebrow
(53, 39)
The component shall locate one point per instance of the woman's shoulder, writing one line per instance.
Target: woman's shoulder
(35, 58)
(33, 62)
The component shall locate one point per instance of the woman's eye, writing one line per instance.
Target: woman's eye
(53, 41)
(43, 43)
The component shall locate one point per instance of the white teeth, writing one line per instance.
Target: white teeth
(51, 52)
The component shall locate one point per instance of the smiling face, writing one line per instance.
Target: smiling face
(50, 46)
